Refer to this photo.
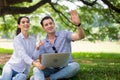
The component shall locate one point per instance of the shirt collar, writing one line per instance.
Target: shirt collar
(56, 35)
(23, 36)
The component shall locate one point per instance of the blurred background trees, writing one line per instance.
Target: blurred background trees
(100, 18)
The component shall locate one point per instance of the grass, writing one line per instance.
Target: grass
(98, 66)
(8, 51)
(95, 66)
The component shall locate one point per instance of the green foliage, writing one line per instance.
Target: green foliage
(8, 26)
(105, 20)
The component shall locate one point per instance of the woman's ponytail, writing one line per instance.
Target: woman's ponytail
(18, 31)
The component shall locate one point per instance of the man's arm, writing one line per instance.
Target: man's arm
(76, 21)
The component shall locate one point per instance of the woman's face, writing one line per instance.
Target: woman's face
(24, 24)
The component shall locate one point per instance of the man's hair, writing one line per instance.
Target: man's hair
(46, 17)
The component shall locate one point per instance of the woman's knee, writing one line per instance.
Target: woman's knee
(35, 70)
(7, 69)
(20, 76)
(6, 73)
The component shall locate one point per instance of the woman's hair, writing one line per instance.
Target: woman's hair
(18, 22)
(46, 17)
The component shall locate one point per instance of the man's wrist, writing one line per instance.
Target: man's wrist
(78, 25)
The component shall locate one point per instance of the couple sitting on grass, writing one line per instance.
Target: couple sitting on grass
(26, 51)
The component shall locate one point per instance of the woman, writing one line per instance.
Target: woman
(18, 66)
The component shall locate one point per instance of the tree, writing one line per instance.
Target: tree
(99, 22)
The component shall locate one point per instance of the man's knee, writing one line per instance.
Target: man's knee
(35, 69)
(75, 66)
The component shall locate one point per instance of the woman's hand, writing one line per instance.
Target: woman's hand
(38, 65)
(39, 44)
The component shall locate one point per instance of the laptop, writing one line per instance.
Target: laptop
(55, 59)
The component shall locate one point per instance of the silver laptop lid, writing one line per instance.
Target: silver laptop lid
(55, 59)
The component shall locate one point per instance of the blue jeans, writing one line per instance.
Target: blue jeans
(54, 74)
(9, 74)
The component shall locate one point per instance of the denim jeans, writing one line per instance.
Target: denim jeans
(0, 77)
(54, 74)
(9, 74)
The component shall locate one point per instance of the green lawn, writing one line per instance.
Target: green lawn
(6, 51)
(96, 66)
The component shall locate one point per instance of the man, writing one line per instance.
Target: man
(59, 42)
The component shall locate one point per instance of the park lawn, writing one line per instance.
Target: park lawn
(95, 66)
(6, 51)
(98, 66)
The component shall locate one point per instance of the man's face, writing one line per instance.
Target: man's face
(48, 26)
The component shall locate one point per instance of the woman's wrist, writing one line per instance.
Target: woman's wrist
(37, 48)
(33, 63)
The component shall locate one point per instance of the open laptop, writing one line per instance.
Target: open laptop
(55, 59)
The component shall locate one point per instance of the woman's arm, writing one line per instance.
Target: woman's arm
(38, 64)
(21, 52)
